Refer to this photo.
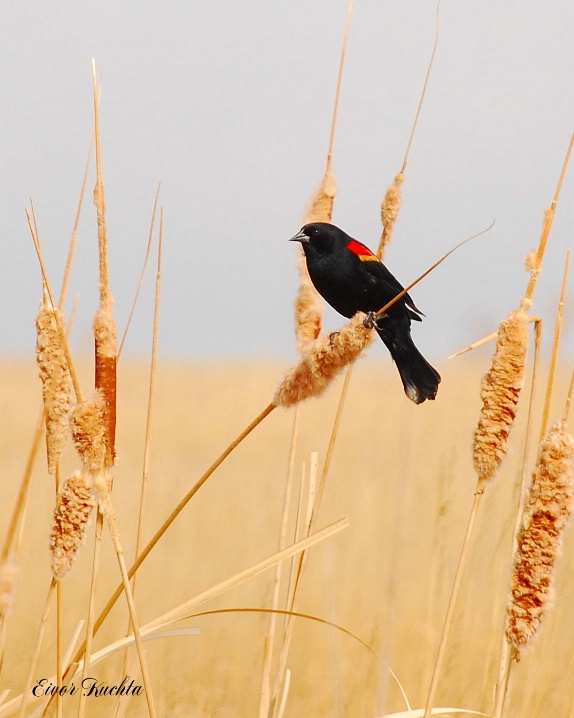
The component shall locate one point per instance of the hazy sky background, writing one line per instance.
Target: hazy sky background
(228, 105)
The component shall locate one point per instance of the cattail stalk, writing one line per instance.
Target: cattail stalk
(391, 204)
(27, 692)
(105, 329)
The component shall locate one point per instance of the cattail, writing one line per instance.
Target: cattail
(89, 432)
(8, 580)
(56, 380)
(500, 392)
(71, 516)
(321, 364)
(548, 509)
(390, 211)
(308, 304)
(105, 334)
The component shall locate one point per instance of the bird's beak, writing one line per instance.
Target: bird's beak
(300, 237)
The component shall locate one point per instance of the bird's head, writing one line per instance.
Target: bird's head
(320, 238)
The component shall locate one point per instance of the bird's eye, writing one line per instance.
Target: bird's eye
(315, 231)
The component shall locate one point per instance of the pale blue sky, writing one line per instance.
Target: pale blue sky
(229, 106)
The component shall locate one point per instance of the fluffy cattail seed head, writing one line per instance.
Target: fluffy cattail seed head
(390, 209)
(308, 304)
(323, 361)
(89, 432)
(548, 509)
(71, 516)
(500, 392)
(56, 380)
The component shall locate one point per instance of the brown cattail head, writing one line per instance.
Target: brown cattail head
(500, 392)
(56, 380)
(308, 304)
(71, 516)
(106, 335)
(8, 580)
(548, 509)
(390, 209)
(323, 361)
(89, 432)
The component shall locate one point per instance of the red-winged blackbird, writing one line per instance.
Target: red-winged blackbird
(352, 279)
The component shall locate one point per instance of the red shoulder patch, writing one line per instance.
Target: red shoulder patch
(362, 252)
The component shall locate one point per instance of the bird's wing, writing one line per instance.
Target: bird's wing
(390, 287)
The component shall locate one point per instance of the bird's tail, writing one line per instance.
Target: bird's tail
(420, 379)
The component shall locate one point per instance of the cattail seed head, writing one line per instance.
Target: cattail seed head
(320, 209)
(390, 209)
(500, 392)
(8, 579)
(548, 509)
(74, 506)
(308, 304)
(56, 380)
(89, 432)
(323, 361)
(106, 339)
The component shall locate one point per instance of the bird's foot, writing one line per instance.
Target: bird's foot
(332, 337)
(373, 321)
(370, 320)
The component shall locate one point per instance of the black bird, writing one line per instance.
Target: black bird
(352, 279)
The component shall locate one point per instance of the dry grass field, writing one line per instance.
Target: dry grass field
(402, 474)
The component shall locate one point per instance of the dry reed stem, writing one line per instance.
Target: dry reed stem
(56, 380)
(299, 569)
(265, 697)
(167, 523)
(500, 392)
(555, 347)
(324, 361)
(150, 406)
(408, 288)
(547, 512)
(27, 692)
(183, 610)
(391, 204)
(308, 303)
(535, 262)
(186, 609)
(91, 606)
(142, 274)
(339, 85)
(485, 340)
(105, 330)
(24, 491)
(74, 507)
(452, 603)
(72, 247)
(9, 572)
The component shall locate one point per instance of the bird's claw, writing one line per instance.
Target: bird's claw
(332, 337)
(370, 321)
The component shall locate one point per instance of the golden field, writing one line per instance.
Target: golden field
(403, 476)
